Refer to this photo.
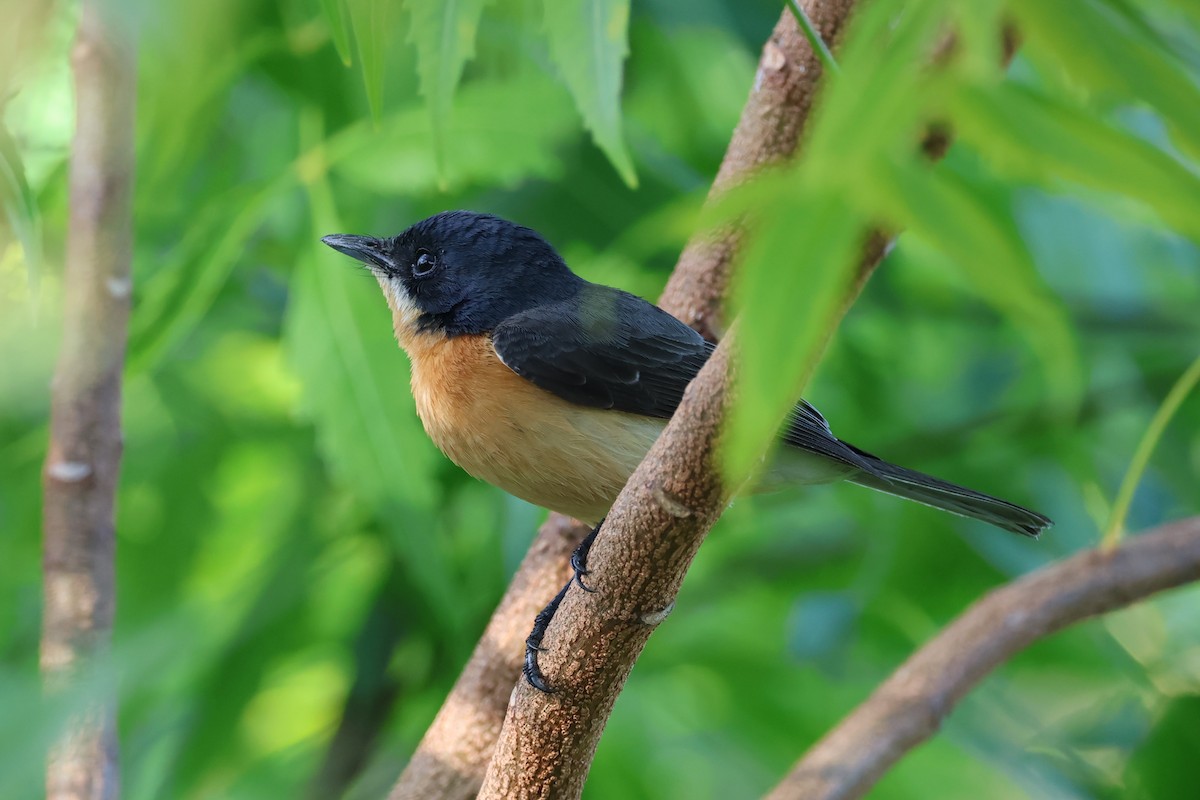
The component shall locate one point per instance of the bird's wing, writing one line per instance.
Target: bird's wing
(606, 349)
(609, 349)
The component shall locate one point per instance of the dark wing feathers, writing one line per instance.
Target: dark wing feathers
(606, 348)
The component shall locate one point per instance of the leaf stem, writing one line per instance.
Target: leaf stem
(1115, 529)
(813, 35)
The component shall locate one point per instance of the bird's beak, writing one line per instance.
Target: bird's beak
(367, 249)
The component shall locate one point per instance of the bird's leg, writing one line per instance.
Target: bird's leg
(580, 556)
(533, 643)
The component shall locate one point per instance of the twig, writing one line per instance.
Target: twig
(908, 708)
(453, 756)
(1141, 457)
(83, 460)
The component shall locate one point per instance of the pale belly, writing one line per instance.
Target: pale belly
(572, 459)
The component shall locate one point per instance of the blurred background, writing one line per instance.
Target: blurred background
(296, 560)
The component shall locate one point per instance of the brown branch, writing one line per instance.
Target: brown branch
(768, 132)
(653, 532)
(908, 708)
(80, 476)
(453, 756)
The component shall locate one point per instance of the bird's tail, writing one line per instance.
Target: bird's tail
(931, 491)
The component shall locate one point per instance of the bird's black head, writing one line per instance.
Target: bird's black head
(460, 272)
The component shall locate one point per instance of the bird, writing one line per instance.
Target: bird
(554, 388)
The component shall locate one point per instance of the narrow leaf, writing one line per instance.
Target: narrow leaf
(19, 206)
(337, 16)
(589, 40)
(444, 34)
(368, 18)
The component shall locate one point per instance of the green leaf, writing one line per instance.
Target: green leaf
(589, 42)
(444, 34)
(501, 133)
(19, 205)
(355, 378)
(1104, 50)
(971, 222)
(337, 15)
(1054, 141)
(369, 20)
(787, 303)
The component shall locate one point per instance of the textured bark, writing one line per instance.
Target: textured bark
(455, 751)
(653, 532)
(453, 755)
(768, 132)
(909, 707)
(82, 464)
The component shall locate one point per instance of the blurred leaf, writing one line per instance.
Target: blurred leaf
(444, 34)
(1103, 49)
(19, 204)
(1055, 141)
(787, 307)
(180, 295)
(821, 626)
(1168, 753)
(978, 232)
(501, 132)
(338, 17)
(369, 20)
(589, 42)
(355, 377)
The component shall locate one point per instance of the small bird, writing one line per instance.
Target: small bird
(554, 388)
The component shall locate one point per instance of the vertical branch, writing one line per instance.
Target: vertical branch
(454, 754)
(768, 132)
(80, 476)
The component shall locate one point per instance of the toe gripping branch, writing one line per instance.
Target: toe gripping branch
(533, 644)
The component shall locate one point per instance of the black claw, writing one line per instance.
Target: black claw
(533, 643)
(580, 556)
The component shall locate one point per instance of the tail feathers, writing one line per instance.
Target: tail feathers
(931, 491)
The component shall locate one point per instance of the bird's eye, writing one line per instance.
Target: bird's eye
(424, 264)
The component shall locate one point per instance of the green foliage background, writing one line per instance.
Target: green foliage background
(290, 544)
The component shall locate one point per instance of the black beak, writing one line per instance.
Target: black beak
(367, 249)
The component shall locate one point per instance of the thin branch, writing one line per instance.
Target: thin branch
(83, 460)
(908, 708)
(453, 756)
(768, 132)
(652, 532)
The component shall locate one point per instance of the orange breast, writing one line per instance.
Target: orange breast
(501, 428)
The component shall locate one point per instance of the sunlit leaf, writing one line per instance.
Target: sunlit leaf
(589, 42)
(443, 32)
(791, 283)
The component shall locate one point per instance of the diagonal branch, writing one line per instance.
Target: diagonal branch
(80, 477)
(908, 708)
(453, 755)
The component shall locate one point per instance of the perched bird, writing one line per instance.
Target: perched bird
(553, 388)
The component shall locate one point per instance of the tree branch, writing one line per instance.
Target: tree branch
(83, 460)
(453, 756)
(768, 132)
(652, 532)
(909, 707)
